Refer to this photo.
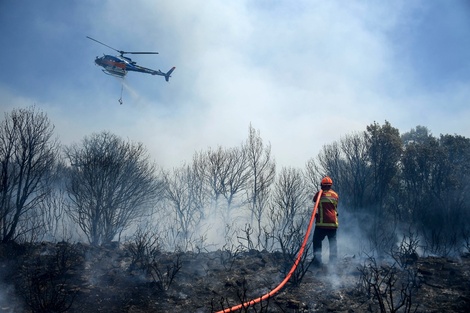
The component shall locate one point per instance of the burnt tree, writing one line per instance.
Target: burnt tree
(111, 184)
(28, 154)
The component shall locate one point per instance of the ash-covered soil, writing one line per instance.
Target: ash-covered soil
(80, 278)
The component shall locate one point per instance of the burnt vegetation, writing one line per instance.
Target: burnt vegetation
(98, 226)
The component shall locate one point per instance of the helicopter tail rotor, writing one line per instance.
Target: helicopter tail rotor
(168, 74)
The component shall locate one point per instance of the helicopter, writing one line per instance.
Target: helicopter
(118, 66)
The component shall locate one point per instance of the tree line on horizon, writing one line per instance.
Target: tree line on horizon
(105, 189)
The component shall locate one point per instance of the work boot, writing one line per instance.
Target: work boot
(316, 262)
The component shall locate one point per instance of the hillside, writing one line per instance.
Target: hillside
(52, 277)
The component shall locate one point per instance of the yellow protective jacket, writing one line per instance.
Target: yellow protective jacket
(327, 215)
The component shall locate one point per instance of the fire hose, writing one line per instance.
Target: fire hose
(288, 276)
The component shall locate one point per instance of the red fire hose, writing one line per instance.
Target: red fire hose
(288, 276)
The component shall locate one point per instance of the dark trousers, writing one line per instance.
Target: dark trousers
(318, 235)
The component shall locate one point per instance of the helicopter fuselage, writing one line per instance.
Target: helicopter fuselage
(119, 66)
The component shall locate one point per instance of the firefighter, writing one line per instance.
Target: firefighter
(326, 221)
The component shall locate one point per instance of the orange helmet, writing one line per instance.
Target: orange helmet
(326, 181)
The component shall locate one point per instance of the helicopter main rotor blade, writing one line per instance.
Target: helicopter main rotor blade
(105, 44)
(124, 52)
(120, 51)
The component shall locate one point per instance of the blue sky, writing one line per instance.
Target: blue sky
(304, 73)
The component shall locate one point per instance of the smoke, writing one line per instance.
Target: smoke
(352, 238)
(8, 301)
